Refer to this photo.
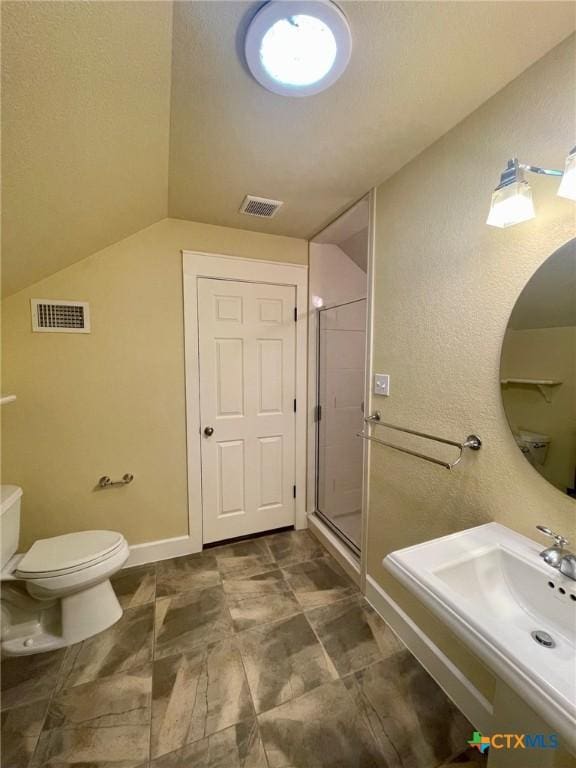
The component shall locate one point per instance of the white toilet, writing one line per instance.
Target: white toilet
(59, 592)
(534, 446)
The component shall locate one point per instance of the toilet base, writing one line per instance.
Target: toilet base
(36, 626)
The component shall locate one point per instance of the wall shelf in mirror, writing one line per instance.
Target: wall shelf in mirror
(4, 399)
(541, 384)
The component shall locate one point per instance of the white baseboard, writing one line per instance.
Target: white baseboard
(453, 682)
(151, 551)
(337, 549)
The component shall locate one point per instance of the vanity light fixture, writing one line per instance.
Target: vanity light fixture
(512, 198)
(568, 184)
(298, 47)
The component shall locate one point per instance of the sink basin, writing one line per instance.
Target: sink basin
(492, 588)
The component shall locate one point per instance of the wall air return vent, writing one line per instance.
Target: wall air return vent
(55, 316)
(260, 206)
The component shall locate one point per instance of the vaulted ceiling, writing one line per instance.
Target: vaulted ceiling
(118, 114)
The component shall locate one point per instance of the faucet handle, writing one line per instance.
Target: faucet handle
(559, 540)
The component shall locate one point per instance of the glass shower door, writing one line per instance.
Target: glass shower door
(341, 374)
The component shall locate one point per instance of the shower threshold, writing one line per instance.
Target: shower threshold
(339, 532)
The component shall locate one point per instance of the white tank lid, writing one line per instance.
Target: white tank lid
(69, 551)
(533, 437)
(9, 494)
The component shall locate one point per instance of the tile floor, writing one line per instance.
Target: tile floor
(260, 654)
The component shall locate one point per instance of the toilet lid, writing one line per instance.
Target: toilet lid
(72, 550)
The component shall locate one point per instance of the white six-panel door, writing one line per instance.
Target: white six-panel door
(247, 369)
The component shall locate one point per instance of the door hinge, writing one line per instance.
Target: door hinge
(318, 413)
(294, 405)
(295, 314)
(294, 491)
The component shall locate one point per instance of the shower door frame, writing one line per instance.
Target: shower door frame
(355, 567)
(357, 550)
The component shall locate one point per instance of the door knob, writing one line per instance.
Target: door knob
(208, 431)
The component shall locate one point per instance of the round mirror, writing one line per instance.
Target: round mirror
(538, 370)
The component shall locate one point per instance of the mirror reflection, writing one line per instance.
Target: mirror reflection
(538, 370)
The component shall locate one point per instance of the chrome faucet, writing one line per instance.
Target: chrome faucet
(555, 556)
(568, 566)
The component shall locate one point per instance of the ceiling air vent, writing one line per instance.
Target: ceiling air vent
(55, 316)
(260, 206)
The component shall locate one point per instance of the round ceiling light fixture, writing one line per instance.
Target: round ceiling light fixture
(298, 47)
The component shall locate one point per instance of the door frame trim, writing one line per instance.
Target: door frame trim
(195, 265)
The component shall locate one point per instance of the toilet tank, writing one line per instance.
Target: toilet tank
(10, 496)
(534, 446)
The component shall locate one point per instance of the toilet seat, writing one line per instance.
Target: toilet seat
(69, 554)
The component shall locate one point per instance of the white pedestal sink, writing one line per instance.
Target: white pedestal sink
(494, 591)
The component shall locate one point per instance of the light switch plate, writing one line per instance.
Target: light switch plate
(381, 384)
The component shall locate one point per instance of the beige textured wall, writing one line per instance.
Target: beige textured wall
(445, 285)
(112, 401)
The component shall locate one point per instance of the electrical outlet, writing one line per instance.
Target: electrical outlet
(381, 384)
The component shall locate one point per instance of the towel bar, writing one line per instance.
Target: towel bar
(472, 442)
(105, 482)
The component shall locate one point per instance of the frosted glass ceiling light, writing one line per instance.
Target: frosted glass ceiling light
(568, 184)
(298, 47)
(298, 51)
(512, 199)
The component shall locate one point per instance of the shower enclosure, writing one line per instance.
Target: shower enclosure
(341, 364)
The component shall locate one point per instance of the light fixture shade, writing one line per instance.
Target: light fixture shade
(298, 47)
(511, 204)
(567, 186)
